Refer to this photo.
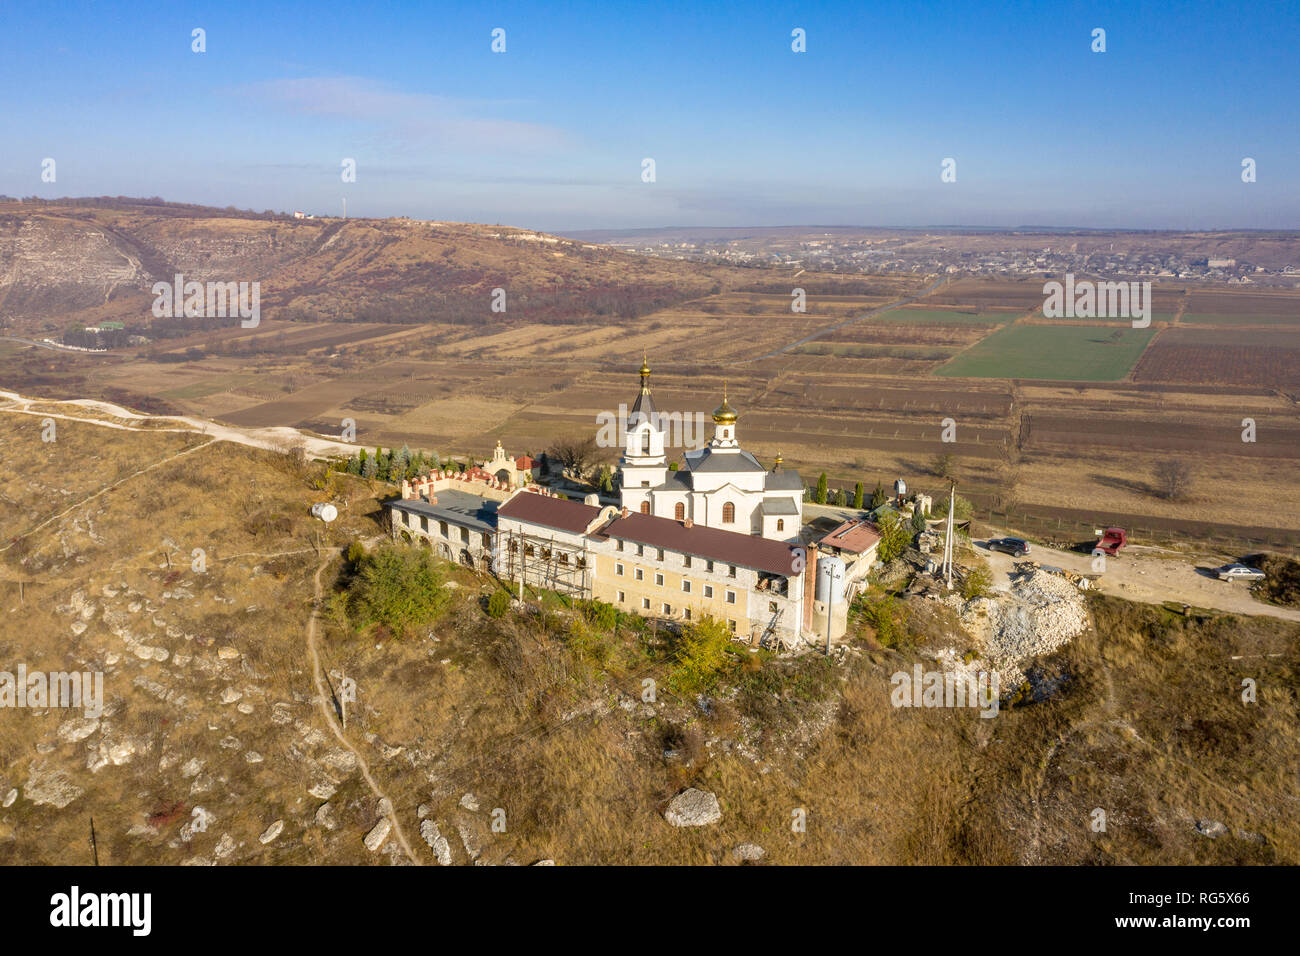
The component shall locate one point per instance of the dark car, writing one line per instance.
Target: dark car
(1012, 546)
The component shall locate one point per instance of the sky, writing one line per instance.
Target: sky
(551, 133)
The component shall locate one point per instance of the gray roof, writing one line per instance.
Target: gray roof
(708, 460)
(783, 480)
(455, 507)
(780, 506)
(644, 405)
(677, 481)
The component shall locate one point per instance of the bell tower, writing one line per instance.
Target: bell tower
(643, 464)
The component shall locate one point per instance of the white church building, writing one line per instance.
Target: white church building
(719, 486)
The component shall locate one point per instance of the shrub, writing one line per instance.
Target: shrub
(600, 615)
(700, 654)
(498, 603)
(398, 589)
(894, 536)
(977, 581)
(886, 618)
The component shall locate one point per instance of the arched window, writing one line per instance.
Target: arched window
(645, 507)
(645, 442)
(728, 513)
(780, 524)
(679, 511)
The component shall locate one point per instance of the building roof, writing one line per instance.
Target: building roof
(780, 506)
(854, 536)
(457, 507)
(709, 459)
(558, 513)
(743, 550)
(783, 480)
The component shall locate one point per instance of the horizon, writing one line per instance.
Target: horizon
(551, 133)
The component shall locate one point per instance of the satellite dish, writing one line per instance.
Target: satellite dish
(325, 511)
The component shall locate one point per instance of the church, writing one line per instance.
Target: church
(718, 486)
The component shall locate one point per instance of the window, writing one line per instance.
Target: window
(620, 597)
(645, 442)
(708, 590)
(771, 606)
(487, 540)
(638, 574)
(728, 513)
(645, 604)
(731, 597)
(645, 507)
(564, 558)
(661, 555)
(645, 483)
(442, 527)
(731, 570)
(618, 569)
(640, 551)
(464, 535)
(731, 624)
(686, 587)
(679, 511)
(708, 566)
(686, 560)
(687, 612)
(780, 524)
(659, 580)
(618, 544)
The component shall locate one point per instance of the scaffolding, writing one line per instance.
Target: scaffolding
(542, 563)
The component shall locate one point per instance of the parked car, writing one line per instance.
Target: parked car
(1012, 546)
(1239, 572)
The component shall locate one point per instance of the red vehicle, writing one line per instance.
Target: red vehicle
(1111, 540)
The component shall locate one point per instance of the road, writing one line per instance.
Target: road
(1144, 576)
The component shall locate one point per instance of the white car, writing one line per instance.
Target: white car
(1239, 572)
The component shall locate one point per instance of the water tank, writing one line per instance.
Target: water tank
(900, 487)
(325, 511)
(830, 578)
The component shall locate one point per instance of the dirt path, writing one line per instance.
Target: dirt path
(1145, 577)
(107, 488)
(318, 676)
(275, 438)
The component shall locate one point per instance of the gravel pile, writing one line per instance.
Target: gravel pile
(1042, 613)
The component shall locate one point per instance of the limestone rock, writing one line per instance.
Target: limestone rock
(693, 808)
(748, 852)
(378, 834)
(271, 832)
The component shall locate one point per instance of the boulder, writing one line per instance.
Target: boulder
(693, 808)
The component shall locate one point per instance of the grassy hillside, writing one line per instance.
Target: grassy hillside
(211, 702)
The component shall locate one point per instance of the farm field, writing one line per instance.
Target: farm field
(1240, 319)
(1212, 355)
(945, 316)
(1072, 353)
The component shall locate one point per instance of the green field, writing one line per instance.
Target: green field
(1155, 317)
(944, 317)
(1064, 353)
(1219, 318)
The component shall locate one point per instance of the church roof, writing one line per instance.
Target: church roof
(743, 550)
(779, 506)
(645, 405)
(707, 460)
(783, 480)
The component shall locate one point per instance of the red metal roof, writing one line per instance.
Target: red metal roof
(743, 550)
(853, 535)
(559, 513)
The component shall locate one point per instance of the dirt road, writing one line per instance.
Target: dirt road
(1148, 576)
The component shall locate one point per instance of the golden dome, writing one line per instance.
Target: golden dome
(724, 414)
(645, 366)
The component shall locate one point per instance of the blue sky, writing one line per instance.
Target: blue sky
(743, 131)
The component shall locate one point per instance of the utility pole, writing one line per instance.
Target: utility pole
(94, 848)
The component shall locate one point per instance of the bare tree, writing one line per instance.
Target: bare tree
(1173, 478)
(943, 466)
(575, 454)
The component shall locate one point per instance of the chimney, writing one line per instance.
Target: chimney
(623, 513)
(688, 523)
